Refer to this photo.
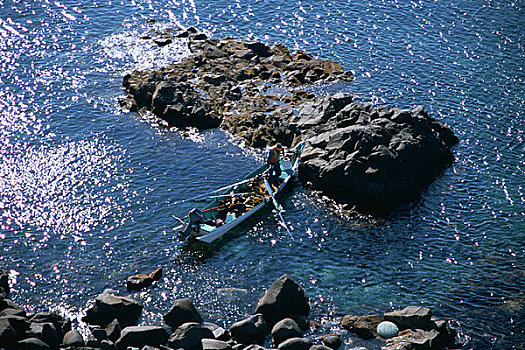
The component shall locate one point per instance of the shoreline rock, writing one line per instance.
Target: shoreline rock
(377, 158)
(48, 330)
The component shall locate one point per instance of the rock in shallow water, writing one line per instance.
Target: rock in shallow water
(285, 298)
(182, 311)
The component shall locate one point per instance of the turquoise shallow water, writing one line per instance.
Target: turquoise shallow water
(86, 191)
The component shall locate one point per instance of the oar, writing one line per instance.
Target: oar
(276, 205)
(202, 196)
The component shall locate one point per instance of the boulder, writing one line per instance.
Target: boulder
(139, 336)
(413, 317)
(182, 311)
(8, 304)
(109, 307)
(333, 341)
(252, 330)
(138, 282)
(213, 344)
(296, 344)
(285, 298)
(8, 335)
(107, 345)
(363, 326)
(73, 338)
(13, 312)
(218, 332)
(33, 344)
(189, 336)
(320, 347)
(4, 284)
(45, 332)
(98, 333)
(61, 324)
(285, 329)
(17, 323)
(113, 330)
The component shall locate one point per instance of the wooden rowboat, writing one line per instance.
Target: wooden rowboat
(239, 202)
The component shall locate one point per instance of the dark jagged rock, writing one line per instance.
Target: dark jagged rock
(156, 275)
(320, 347)
(414, 317)
(18, 323)
(138, 282)
(189, 336)
(4, 284)
(13, 312)
(73, 338)
(296, 344)
(285, 298)
(109, 307)
(218, 332)
(45, 332)
(363, 326)
(213, 344)
(33, 344)
(252, 330)
(182, 311)
(61, 324)
(285, 329)
(376, 157)
(333, 341)
(8, 334)
(113, 330)
(416, 340)
(139, 336)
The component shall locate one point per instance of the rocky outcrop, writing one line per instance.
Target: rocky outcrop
(375, 157)
(285, 298)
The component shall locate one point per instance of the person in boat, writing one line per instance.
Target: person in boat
(272, 162)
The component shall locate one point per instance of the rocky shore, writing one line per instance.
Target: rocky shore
(280, 321)
(375, 157)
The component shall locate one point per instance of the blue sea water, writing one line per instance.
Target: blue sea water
(87, 191)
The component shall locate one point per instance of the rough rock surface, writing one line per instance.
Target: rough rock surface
(415, 317)
(182, 311)
(139, 336)
(363, 326)
(189, 336)
(109, 307)
(296, 344)
(332, 341)
(285, 298)
(252, 330)
(73, 338)
(285, 329)
(375, 157)
(4, 284)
